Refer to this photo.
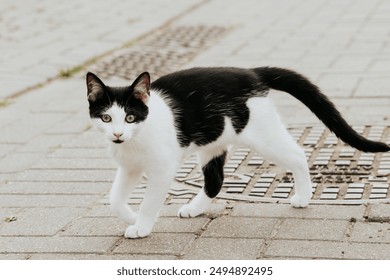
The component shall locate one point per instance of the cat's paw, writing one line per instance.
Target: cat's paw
(189, 211)
(298, 201)
(136, 232)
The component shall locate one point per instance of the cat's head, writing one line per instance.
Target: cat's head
(118, 112)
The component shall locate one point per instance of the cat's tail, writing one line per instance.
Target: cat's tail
(310, 95)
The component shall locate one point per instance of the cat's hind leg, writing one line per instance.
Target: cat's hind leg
(213, 179)
(289, 155)
(125, 181)
(269, 138)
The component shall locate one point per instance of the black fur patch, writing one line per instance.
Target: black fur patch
(202, 97)
(213, 175)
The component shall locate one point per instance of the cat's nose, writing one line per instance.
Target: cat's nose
(118, 134)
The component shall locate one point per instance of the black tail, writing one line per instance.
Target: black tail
(310, 95)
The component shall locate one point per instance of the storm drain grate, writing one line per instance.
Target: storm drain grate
(339, 172)
(160, 53)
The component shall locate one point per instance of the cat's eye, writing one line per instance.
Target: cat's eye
(130, 118)
(106, 118)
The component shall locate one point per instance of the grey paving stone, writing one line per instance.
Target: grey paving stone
(312, 229)
(13, 256)
(157, 243)
(18, 162)
(179, 225)
(240, 227)
(45, 143)
(100, 211)
(224, 249)
(10, 200)
(66, 175)
(286, 211)
(56, 244)
(171, 210)
(104, 256)
(367, 251)
(101, 226)
(40, 221)
(84, 153)
(371, 232)
(306, 249)
(379, 212)
(68, 188)
(8, 212)
(6, 149)
(32, 126)
(49, 52)
(69, 163)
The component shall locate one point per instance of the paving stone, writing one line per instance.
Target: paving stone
(45, 143)
(66, 175)
(367, 251)
(371, 232)
(84, 153)
(240, 227)
(180, 225)
(224, 249)
(17, 162)
(101, 211)
(214, 209)
(157, 243)
(96, 227)
(323, 229)
(306, 249)
(55, 188)
(40, 221)
(273, 210)
(47, 200)
(379, 212)
(6, 149)
(103, 256)
(41, 244)
(8, 212)
(68, 163)
(13, 256)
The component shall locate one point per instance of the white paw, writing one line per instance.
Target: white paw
(136, 232)
(299, 201)
(189, 211)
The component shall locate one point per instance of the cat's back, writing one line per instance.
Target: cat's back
(201, 82)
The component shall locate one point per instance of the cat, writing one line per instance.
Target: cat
(152, 127)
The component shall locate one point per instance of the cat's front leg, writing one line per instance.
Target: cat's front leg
(213, 179)
(125, 181)
(155, 196)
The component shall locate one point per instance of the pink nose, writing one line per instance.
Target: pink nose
(117, 134)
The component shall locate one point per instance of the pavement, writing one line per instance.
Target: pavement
(54, 170)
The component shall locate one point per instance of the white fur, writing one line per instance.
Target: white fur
(152, 148)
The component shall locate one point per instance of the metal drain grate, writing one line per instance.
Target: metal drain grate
(339, 173)
(160, 53)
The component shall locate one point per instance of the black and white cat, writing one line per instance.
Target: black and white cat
(151, 127)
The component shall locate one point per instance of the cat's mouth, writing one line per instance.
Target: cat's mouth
(118, 141)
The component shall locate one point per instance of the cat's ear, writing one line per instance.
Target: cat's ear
(95, 87)
(141, 87)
